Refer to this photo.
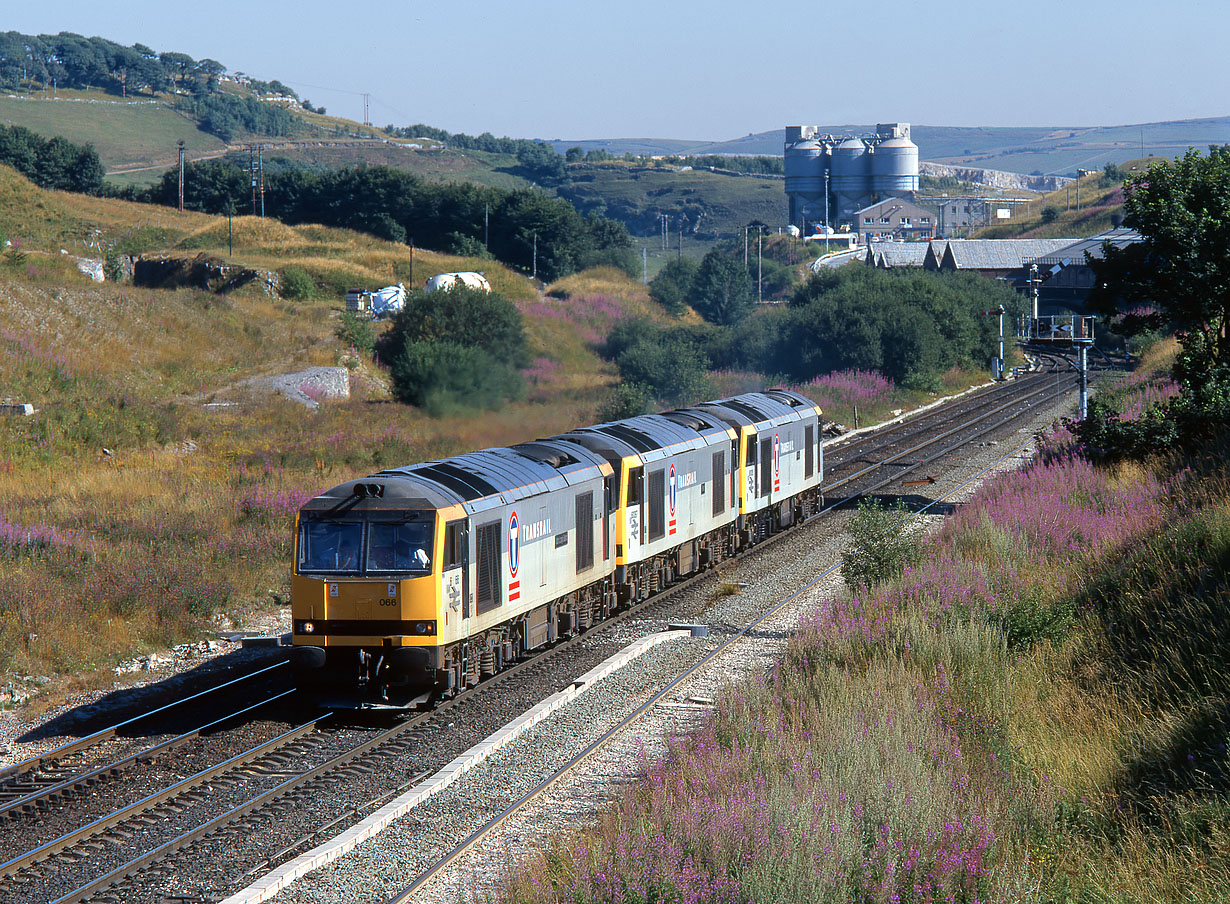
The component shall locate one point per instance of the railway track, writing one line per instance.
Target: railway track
(73, 767)
(199, 843)
(470, 868)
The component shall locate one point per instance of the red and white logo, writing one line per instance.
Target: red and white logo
(672, 492)
(514, 557)
(777, 462)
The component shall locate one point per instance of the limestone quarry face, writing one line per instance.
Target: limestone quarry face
(994, 178)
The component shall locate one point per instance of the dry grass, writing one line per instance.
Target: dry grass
(131, 514)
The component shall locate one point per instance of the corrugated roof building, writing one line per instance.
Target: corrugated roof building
(1066, 278)
(997, 256)
(887, 255)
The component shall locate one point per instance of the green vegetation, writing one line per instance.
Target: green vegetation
(51, 163)
(1176, 280)
(909, 325)
(533, 231)
(457, 349)
(882, 544)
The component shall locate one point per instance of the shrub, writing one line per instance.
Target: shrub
(357, 332)
(444, 376)
(881, 544)
(671, 369)
(297, 283)
(627, 400)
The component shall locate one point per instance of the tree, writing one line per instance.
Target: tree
(1178, 278)
(673, 284)
(455, 349)
(208, 186)
(722, 289)
(464, 316)
(1181, 267)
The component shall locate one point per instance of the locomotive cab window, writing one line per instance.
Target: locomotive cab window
(454, 544)
(368, 547)
(330, 546)
(399, 548)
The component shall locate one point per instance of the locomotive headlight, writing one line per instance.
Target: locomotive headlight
(306, 627)
(425, 627)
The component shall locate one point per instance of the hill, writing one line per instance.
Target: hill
(1085, 206)
(167, 477)
(714, 204)
(1047, 150)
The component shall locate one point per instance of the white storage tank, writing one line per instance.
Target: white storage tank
(894, 167)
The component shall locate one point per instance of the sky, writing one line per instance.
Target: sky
(581, 69)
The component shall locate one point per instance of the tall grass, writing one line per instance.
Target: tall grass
(1036, 711)
(133, 513)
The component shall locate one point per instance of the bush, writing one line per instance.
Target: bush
(464, 316)
(881, 544)
(297, 284)
(441, 377)
(670, 288)
(456, 349)
(357, 332)
(627, 400)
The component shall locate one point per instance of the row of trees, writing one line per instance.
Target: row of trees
(912, 326)
(526, 229)
(54, 163)
(68, 60)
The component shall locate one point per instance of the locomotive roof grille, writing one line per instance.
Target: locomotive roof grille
(688, 419)
(744, 408)
(782, 396)
(634, 438)
(469, 486)
(556, 458)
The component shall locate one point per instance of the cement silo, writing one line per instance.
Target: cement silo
(858, 171)
(894, 168)
(806, 166)
(851, 176)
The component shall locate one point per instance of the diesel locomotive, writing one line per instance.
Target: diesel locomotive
(419, 581)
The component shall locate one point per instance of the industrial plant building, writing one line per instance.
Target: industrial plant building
(830, 180)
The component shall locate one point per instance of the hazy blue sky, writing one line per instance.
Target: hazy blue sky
(576, 69)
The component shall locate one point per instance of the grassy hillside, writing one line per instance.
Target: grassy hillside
(132, 133)
(714, 203)
(1050, 149)
(1083, 208)
(134, 511)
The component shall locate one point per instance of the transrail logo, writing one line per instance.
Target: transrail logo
(673, 496)
(514, 544)
(777, 463)
(514, 558)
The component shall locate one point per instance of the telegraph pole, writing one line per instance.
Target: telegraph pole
(256, 167)
(181, 174)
